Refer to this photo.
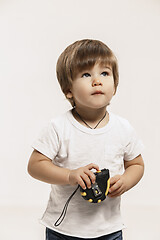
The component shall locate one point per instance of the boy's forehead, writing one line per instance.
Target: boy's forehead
(105, 65)
(98, 64)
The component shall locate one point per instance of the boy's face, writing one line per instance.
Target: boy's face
(93, 88)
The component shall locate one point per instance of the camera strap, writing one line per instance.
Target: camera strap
(63, 214)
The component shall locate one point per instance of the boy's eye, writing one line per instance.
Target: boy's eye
(104, 74)
(86, 75)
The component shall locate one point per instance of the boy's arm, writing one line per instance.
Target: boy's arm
(42, 168)
(134, 170)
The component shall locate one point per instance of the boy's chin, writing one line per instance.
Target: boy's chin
(100, 106)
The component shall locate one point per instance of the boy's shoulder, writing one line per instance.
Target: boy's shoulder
(58, 118)
(119, 118)
(60, 121)
(121, 121)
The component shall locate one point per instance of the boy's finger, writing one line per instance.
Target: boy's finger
(115, 187)
(87, 180)
(92, 165)
(114, 179)
(116, 193)
(91, 175)
(81, 183)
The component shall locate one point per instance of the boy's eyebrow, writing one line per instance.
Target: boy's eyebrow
(103, 66)
(108, 67)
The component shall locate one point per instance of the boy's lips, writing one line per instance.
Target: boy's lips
(97, 92)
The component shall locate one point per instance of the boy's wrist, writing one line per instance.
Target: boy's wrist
(68, 176)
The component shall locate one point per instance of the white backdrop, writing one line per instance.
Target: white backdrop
(33, 33)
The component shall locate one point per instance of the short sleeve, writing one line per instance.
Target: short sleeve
(47, 143)
(134, 146)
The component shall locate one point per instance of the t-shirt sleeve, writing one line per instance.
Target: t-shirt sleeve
(134, 145)
(47, 142)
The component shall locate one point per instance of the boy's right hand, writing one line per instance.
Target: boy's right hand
(83, 175)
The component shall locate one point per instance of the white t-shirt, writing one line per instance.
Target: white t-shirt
(71, 145)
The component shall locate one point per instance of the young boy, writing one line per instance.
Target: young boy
(85, 138)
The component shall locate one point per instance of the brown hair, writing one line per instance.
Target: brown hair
(82, 55)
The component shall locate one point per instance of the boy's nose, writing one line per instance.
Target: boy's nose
(96, 82)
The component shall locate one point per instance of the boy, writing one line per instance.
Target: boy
(86, 137)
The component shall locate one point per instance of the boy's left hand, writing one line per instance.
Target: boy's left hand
(117, 186)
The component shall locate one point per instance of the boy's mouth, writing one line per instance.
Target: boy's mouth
(97, 92)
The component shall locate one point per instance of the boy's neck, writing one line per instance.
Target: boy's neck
(91, 116)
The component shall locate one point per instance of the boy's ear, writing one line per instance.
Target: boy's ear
(69, 94)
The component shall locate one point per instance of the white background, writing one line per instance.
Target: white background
(33, 33)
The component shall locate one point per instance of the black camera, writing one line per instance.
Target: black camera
(99, 189)
(96, 194)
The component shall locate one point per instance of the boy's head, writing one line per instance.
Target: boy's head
(82, 55)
